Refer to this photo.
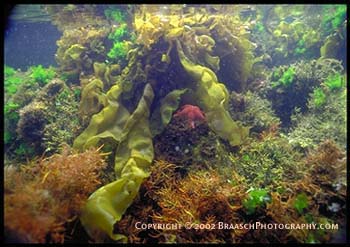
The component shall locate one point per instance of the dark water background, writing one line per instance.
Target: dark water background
(30, 43)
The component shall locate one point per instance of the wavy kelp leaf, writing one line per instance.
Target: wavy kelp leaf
(99, 69)
(169, 104)
(137, 138)
(107, 123)
(92, 97)
(162, 115)
(212, 61)
(134, 155)
(106, 206)
(212, 97)
(74, 52)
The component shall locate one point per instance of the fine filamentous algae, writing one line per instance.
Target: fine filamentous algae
(175, 123)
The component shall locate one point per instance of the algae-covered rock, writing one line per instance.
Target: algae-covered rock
(320, 123)
(289, 87)
(253, 110)
(31, 123)
(333, 47)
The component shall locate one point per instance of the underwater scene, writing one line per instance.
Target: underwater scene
(175, 124)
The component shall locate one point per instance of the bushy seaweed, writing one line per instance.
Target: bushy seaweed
(325, 119)
(285, 79)
(42, 75)
(9, 71)
(36, 209)
(256, 198)
(119, 35)
(300, 203)
(253, 110)
(11, 81)
(12, 116)
(290, 87)
(333, 17)
(118, 51)
(319, 97)
(128, 72)
(115, 14)
(335, 81)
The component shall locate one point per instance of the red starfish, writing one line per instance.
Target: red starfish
(191, 114)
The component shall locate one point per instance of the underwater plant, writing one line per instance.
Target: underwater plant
(31, 123)
(259, 27)
(198, 198)
(293, 40)
(19, 90)
(64, 124)
(119, 35)
(42, 75)
(333, 17)
(256, 198)
(83, 42)
(319, 97)
(328, 161)
(9, 71)
(301, 202)
(12, 116)
(335, 81)
(24, 150)
(300, 49)
(118, 120)
(333, 28)
(11, 81)
(72, 17)
(285, 79)
(92, 98)
(41, 197)
(191, 148)
(118, 51)
(253, 110)
(325, 119)
(120, 46)
(188, 110)
(10, 111)
(268, 160)
(312, 192)
(50, 119)
(115, 14)
(290, 87)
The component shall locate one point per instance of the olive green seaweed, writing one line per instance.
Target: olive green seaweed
(169, 104)
(133, 157)
(213, 97)
(92, 97)
(163, 114)
(74, 52)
